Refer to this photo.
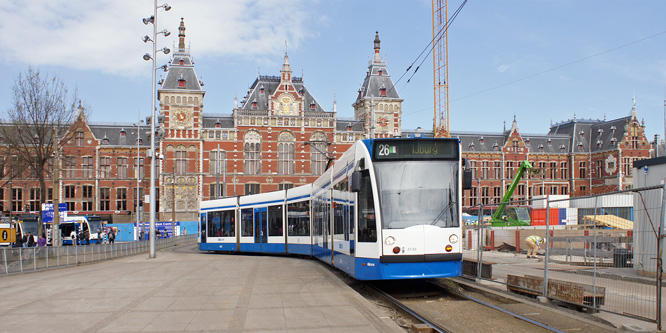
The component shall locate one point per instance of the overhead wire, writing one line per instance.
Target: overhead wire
(426, 48)
(560, 66)
(550, 70)
(441, 32)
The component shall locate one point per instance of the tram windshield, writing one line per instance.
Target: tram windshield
(30, 227)
(418, 193)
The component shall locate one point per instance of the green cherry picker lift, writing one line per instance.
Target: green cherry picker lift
(512, 216)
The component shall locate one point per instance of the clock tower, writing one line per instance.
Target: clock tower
(181, 119)
(378, 104)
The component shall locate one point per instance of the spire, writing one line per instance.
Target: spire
(286, 68)
(633, 107)
(81, 112)
(181, 36)
(335, 103)
(377, 42)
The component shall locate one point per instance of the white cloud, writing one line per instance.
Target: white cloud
(106, 34)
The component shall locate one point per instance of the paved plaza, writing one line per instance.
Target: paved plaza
(183, 290)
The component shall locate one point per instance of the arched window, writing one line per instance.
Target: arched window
(318, 151)
(286, 161)
(252, 152)
(181, 160)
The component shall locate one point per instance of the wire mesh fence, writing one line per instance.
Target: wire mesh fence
(26, 259)
(597, 253)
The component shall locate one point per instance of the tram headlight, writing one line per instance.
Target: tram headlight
(389, 240)
(449, 248)
(453, 239)
(396, 250)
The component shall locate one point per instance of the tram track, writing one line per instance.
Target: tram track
(444, 305)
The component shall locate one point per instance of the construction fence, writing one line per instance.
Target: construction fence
(601, 253)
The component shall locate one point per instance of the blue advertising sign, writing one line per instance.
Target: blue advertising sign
(48, 212)
(161, 228)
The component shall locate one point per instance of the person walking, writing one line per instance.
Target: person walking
(31, 240)
(534, 242)
(18, 241)
(86, 237)
(112, 237)
(42, 240)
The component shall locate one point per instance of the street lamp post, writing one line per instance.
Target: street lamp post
(139, 227)
(153, 20)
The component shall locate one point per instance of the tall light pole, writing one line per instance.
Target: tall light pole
(153, 20)
(139, 227)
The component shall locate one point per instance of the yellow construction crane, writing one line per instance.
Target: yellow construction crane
(440, 60)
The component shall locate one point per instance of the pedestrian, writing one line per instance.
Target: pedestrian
(112, 237)
(184, 231)
(141, 234)
(42, 240)
(534, 242)
(86, 236)
(72, 236)
(25, 240)
(31, 240)
(99, 236)
(18, 242)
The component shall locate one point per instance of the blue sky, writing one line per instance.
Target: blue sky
(542, 61)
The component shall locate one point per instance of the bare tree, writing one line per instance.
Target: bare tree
(41, 108)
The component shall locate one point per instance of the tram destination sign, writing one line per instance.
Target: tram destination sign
(415, 149)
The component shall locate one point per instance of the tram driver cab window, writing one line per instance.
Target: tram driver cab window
(367, 222)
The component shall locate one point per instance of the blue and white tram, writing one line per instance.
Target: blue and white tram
(387, 209)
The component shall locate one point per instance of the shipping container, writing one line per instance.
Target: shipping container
(539, 216)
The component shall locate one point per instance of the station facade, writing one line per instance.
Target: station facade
(278, 136)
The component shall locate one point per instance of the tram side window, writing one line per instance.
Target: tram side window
(317, 217)
(352, 214)
(247, 222)
(214, 224)
(275, 221)
(326, 221)
(367, 223)
(338, 218)
(203, 228)
(298, 218)
(228, 223)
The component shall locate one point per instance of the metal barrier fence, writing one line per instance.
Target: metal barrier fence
(602, 252)
(19, 260)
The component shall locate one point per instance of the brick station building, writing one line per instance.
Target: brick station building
(278, 136)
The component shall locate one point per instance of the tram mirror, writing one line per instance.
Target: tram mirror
(467, 180)
(356, 181)
(466, 175)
